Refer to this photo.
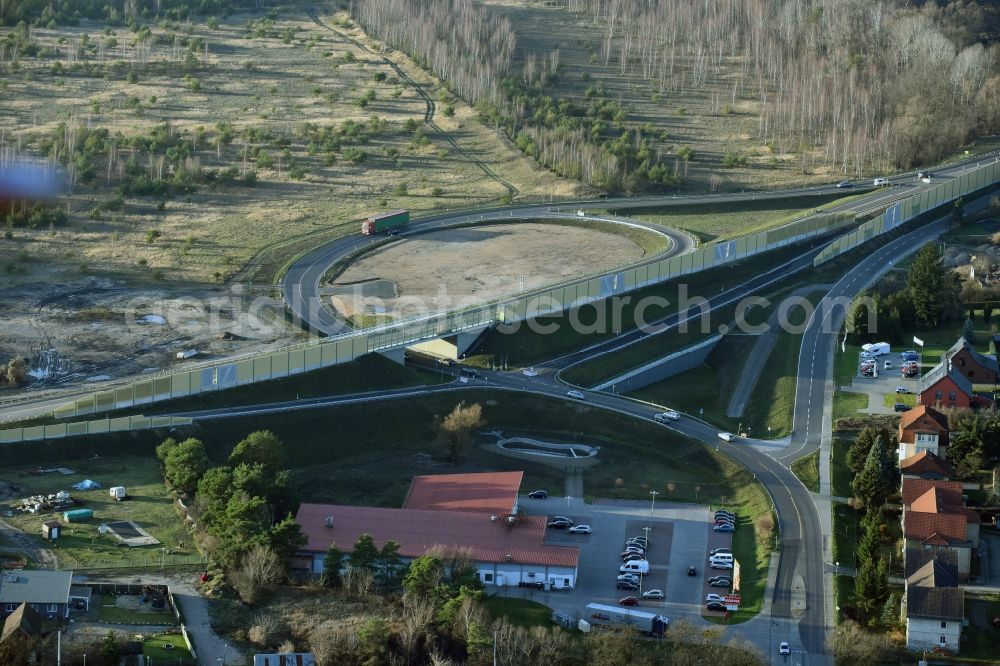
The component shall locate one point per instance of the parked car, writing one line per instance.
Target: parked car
(724, 528)
(719, 581)
(538, 494)
(563, 619)
(784, 648)
(902, 389)
(637, 541)
(845, 183)
(722, 565)
(716, 551)
(715, 606)
(631, 578)
(559, 524)
(692, 571)
(631, 557)
(900, 407)
(565, 519)
(581, 529)
(576, 395)
(628, 601)
(634, 550)
(887, 365)
(714, 597)
(726, 436)
(653, 594)
(723, 512)
(627, 585)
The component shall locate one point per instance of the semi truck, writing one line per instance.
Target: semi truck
(385, 222)
(613, 616)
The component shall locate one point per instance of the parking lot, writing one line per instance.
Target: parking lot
(883, 381)
(680, 535)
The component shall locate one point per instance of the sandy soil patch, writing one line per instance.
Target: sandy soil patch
(448, 269)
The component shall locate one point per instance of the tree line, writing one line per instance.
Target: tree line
(116, 12)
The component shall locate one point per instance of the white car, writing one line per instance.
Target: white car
(652, 594)
(726, 436)
(576, 395)
(887, 365)
(580, 529)
(715, 597)
(667, 415)
(784, 648)
(722, 565)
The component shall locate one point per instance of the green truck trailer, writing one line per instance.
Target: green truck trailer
(385, 222)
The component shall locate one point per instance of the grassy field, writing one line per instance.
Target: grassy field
(268, 83)
(807, 469)
(80, 546)
(154, 647)
(845, 364)
(720, 221)
(846, 404)
(908, 399)
(845, 534)
(519, 612)
(111, 614)
(840, 473)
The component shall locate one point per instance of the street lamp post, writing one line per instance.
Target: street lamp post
(652, 502)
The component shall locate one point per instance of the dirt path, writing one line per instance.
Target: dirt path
(25, 543)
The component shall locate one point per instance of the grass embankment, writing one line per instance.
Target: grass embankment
(771, 406)
(891, 399)
(651, 243)
(718, 221)
(519, 612)
(707, 389)
(80, 546)
(807, 469)
(524, 344)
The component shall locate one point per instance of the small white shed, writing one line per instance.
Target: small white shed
(118, 492)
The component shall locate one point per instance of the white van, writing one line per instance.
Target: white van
(635, 567)
(721, 557)
(881, 182)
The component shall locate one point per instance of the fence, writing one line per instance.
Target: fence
(96, 427)
(905, 210)
(658, 370)
(348, 346)
(150, 561)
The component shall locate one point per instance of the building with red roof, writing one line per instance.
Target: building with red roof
(489, 492)
(935, 518)
(923, 428)
(925, 465)
(473, 514)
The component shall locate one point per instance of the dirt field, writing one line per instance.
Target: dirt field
(75, 289)
(442, 270)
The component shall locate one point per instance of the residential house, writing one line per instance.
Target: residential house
(944, 386)
(47, 592)
(923, 428)
(925, 465)
(977, 368)
(934, 607)
(936, 519)
(474, 513)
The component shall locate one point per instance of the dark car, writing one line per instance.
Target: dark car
(538, 494)
(631, 557)
(715, 606)
(625, 585)
(628, 601)
(900, 407)
(720, 582)
(564, 519)
(692, 571)
(559, 524)
(845, 183)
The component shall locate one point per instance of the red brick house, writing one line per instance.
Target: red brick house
(976, 367)
(923, 428)
(945, 386)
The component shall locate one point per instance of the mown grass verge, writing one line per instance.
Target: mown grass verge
(847, 404)
(807, 469)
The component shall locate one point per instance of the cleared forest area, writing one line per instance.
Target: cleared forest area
(630, 95)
